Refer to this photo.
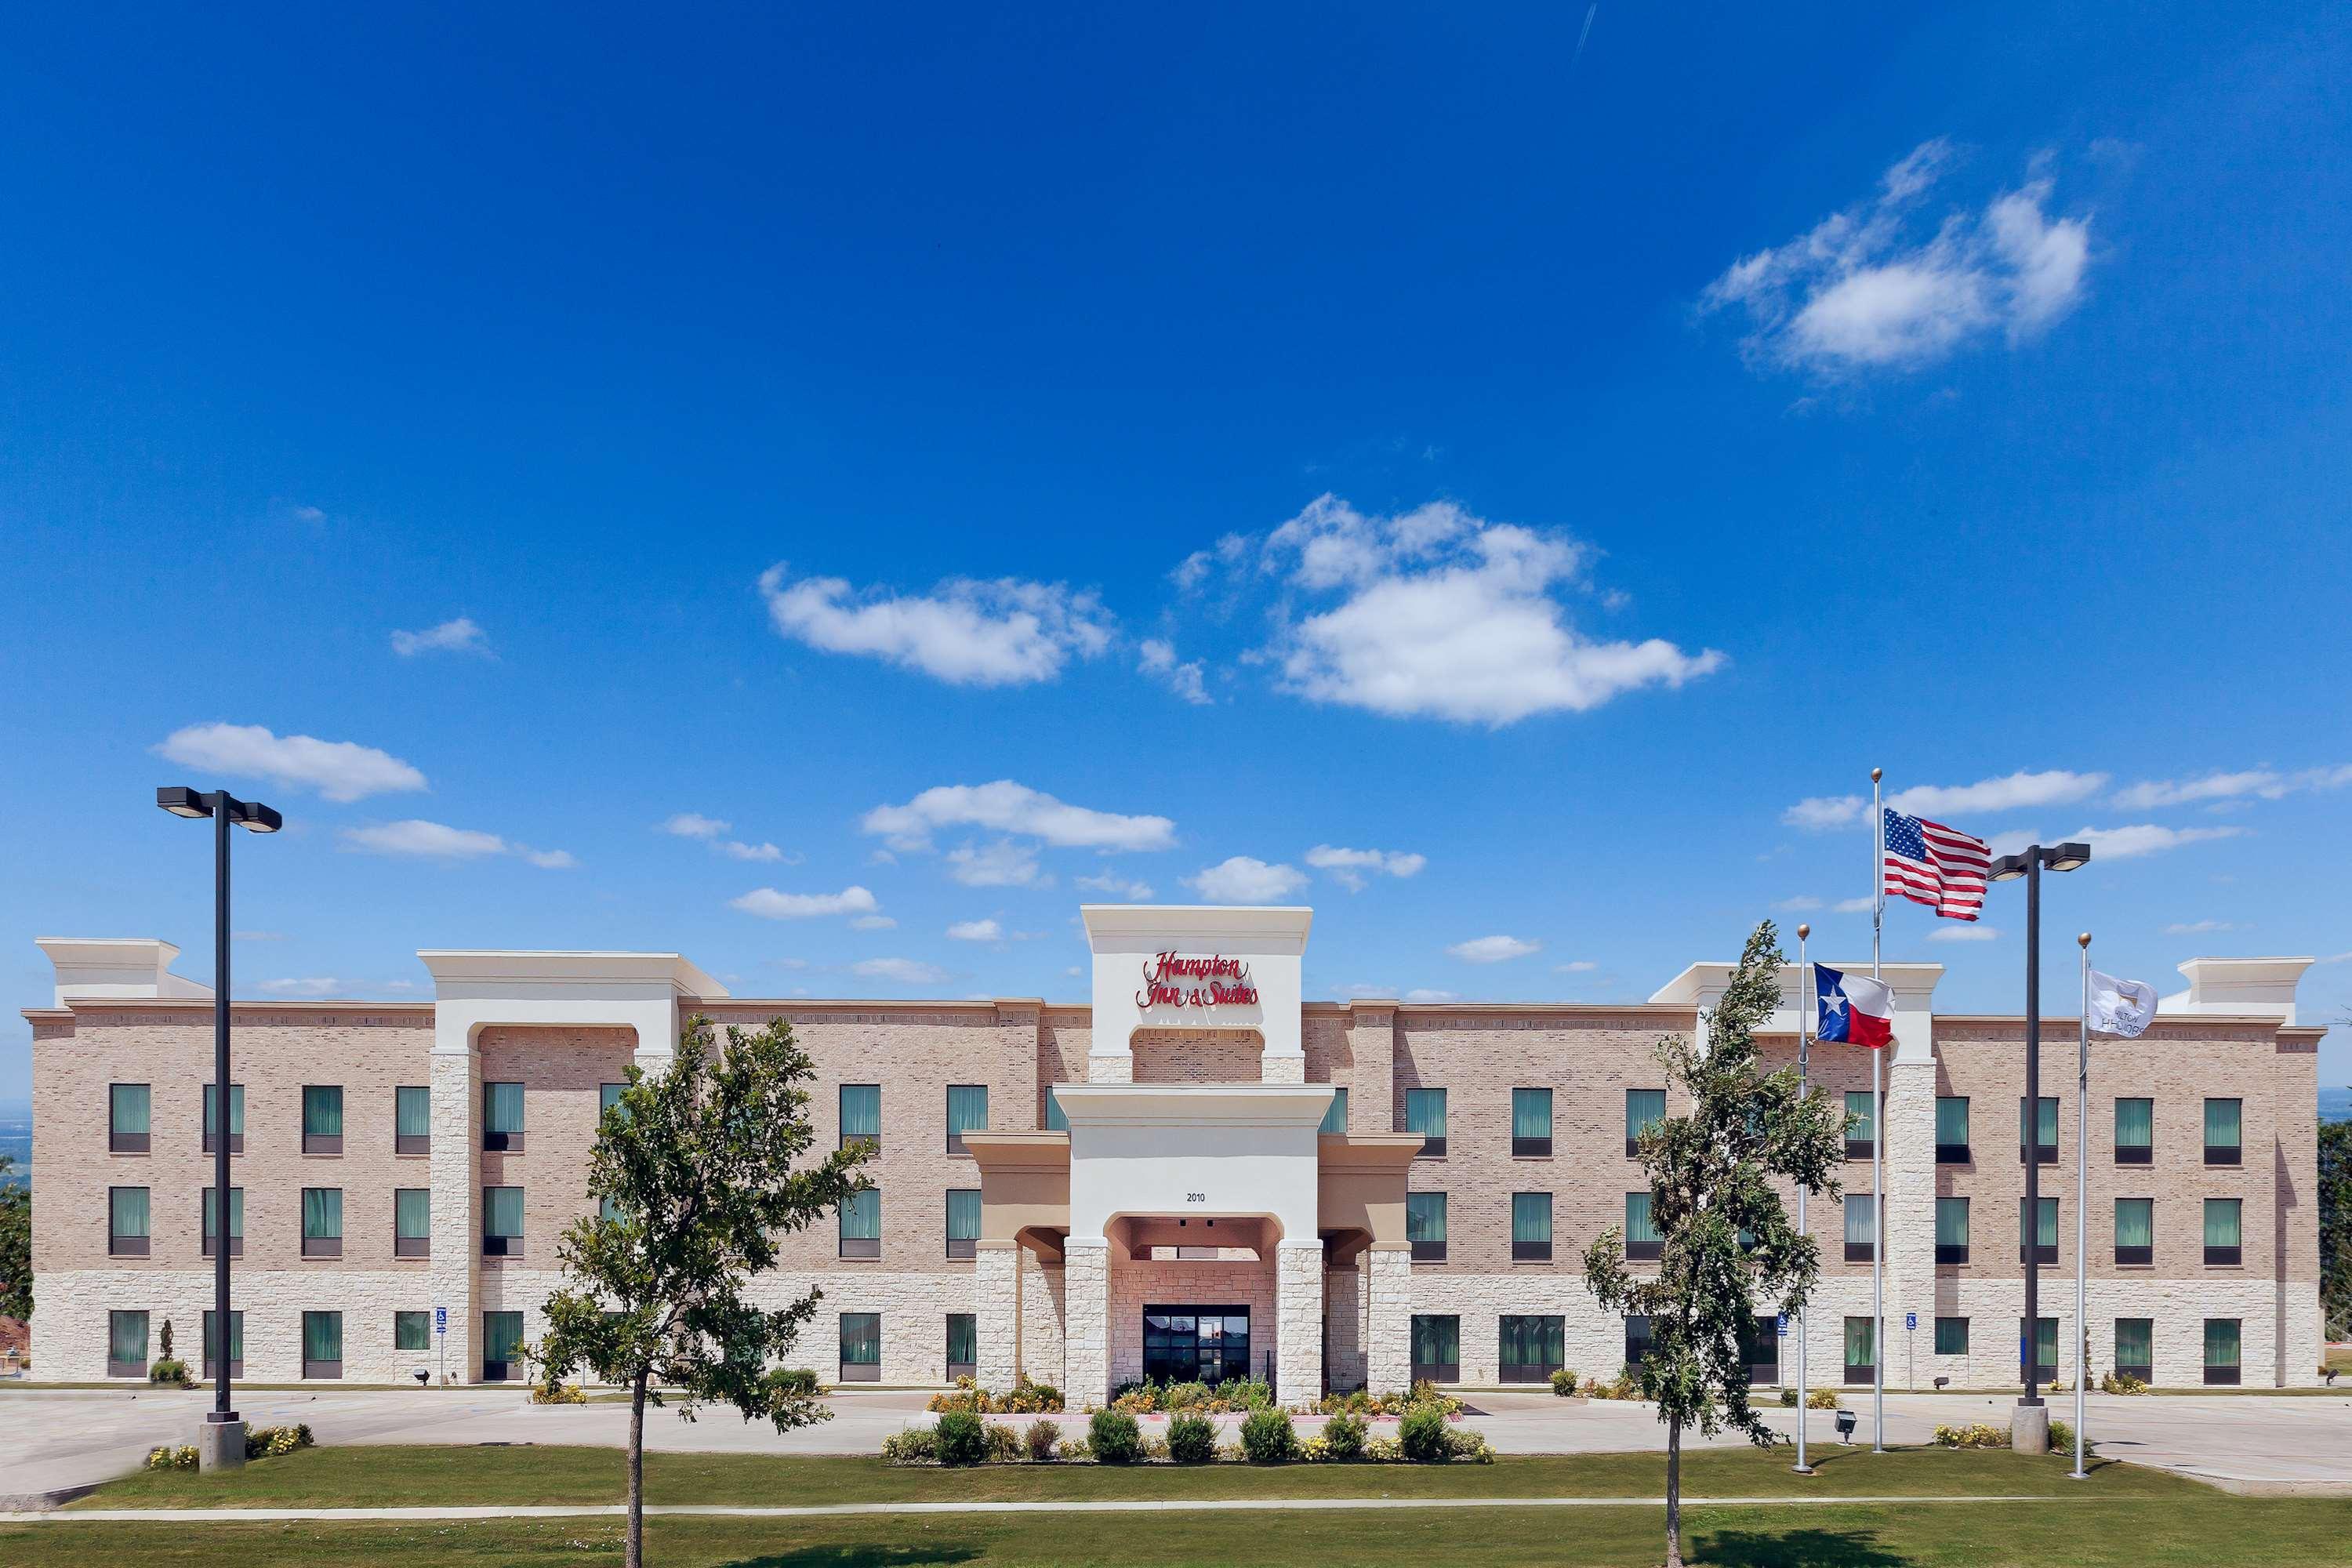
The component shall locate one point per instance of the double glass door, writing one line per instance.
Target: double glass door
(1196, 1344)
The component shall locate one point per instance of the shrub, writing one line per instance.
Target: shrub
(180, 1459)
(915, 1446)
(1462, 1443)
(1563, 1383)
(796, 1380)
(1040, 1439)
(1822, 1399)
(1976, 1435)
(1192, 1439)
(1267, 1437)
(1424, 1437)
(1382, 1450)
(2061, 1438)
(1248, 1393)
(1137, 1399)
(271, 1442)
(553, 1392)
(1343, 1435)
(1114, 1437)
(170, 1370)
(1313, 1450)
(1003, 1444)
(961, 1438)
(1788, 1398)
(1078, 1451)
(1184, 1396)
(2121, 1382)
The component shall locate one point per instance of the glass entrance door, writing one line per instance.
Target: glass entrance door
(1196, 1344)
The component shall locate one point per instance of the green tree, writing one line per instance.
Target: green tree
(2335, 1227)
(697, 1163)
(15, 1245)
(1711, 1178)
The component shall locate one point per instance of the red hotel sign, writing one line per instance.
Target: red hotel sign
(1172, 981)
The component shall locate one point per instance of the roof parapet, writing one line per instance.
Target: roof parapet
(121, 967)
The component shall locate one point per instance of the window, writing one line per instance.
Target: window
(2134, 1230)
(126, 1222)
(967, 1112)
(127, 1106)
(235, 1117)
(412, 1120)
(1644, 1108)
(2225, 1132)
(1642, 1240)
(502, 1346)
(2224, 1230)
(412, 1222)
(861, 1114)
(1425, 1112)
(1861, 1228)
(412, 1331)
(608, 1095)
(1951, 1336)
(1951, 1130)
(1055, 1121)
(1530, 1227)
(1861, 1129)
(1532, 1347)
(1951, 1230)
(1335, 1120)
(1531, 1122)
(322, 1118)
(2037, 1136)
(963, 1221)
(1637, 1341)
(2136, 1348)
(1860, 1351)
(235, 1344)
(1759, 1349)
(236, 1221)
(861, 1347)
(2221, 1337)
(322, 1222)
(964, 1345)
(502, 1222)
(2045, 1348)
(861, 1223)
(1425, 1226)
(126, 1344)
(1436, 1348)
(2134, 1131)
(503, 1117)
(322, 1344)
(2045, 1232)
(609, 1210)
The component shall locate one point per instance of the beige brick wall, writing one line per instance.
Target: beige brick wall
(1198, 1056)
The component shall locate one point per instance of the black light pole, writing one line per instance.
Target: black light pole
(2028, 863)
(223, 808)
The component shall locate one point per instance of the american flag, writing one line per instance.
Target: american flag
(1937, 865)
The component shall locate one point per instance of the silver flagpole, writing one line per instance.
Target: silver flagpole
(2082, 1203)
(1804, 1091)
(1877, 1140)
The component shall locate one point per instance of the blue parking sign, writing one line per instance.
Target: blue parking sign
(440, 1319)
(1783, 1325)
(1910, 1322)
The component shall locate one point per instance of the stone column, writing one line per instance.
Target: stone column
(456, 1273)
(1085, 1288)
(1388, 1341)
(996, 1282)
(1299, 1322)
(1909, 1113)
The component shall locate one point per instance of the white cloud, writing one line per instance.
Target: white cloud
(2146, 838)
(1425, 993)
(1193, 570)
(1005, 806)
(736, 849)
(2199, 928)
(1157, 658)
(257, 936)
(2010, 792)
(1797, 905)
(776, 906)
(2263, 784)
(1822, 812)
(1869, 286)
(311, 985)
(690, 824)
(339, 770)
(1963, 933)
(1492, 949)
(548, 860)
(976, 930)
(873, 922)
(1443, 615)
(1005, 632)
(1003, 864)
(1133, 893)
(460, 636)
(1855, 905)
(1347, 867)
(1244, 880)
(439, 841)
(2335, 958)
(902, 971)
(1575, 966)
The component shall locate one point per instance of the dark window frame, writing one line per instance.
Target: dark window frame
(320, 1371)
(503, 1140)
(137, 1369)
(504, 1370)
(959, 1246)
(410, 1246)
(1527, 1372)
(1438, 1371)
(844, 1140)
(236, 1238)
(130, 1143)
(859, 1247)
(130, 1246)
(955, 1135)
(957, 1369)
(858, 1371)
(410, 1142)
(236, 1100)
(320, 1142)
(1430, 1251)
(501, 1245)
(1954, 1153)
(2040, 1153)
(1432, 1148)
(1532, 1148)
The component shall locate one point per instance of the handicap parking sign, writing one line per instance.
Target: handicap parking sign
(440, 1319)
(1910, 1322)
(1783, 1325)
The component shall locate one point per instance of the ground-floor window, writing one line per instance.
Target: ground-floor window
(412, 1331)
(1436, 1348)
(502, 1346)
(1532, 1347)
(861, 1347)
(1760, 1347)
(1860, 1350)
(1196, 1344)
(2222, 1347)
(964, 1345)
(1637, 1342)
(322, 1344)
(2045, 1348)
(1951, 1336)
(126, 1344)
(236, 1343)
(2136, 1348)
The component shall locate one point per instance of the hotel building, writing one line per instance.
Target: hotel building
(1198, 1173)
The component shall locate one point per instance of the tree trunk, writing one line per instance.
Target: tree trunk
(1674, 1494)
(633, 1554)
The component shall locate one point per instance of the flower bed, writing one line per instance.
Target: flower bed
(1028, 1398)
(1427, 1435)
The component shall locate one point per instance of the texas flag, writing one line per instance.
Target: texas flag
(1855, 1008)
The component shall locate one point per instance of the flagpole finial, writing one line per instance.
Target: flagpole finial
(2084, 938)
(1803, 932)
(1877, 773)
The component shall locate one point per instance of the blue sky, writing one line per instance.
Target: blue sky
(1478, 484)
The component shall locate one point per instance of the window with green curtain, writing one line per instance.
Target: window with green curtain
(2223, 1222)
(1335, 1120)
(861, 1216)
(1530, 1217)
(502, 1107)
(412, 1213)
(236, 1213)
(1860, 1219)
(1951, 1222)
(1425, 1111)
(2224, 1123)
(126, 1336)
(235, 1110)
(2045, 1232)
(1436, 1340)
(322, 1111)
(861, 1339)
(967, 1109)
(1530, 1113)
(963, 1339)
(322, 1336)
(322, 1214)
(2135, 1341)
(412, 1112)
(1952, 1120)
(1644, 1108)
(1531, 1341)
(1951, 1336)
(1424, 1216)
(609, 1210)
(412, 1331)
(963, 1215)
(1860, 1343)
(1638, 1224)
(2134, 1123)
(1859, 1126)
(235, 1336)
(503, 1211)
(2134, 1222)
(502, 1336)
(2045, 1339)
(127, 1107)
(126, 1211)
(1057, 1122)
(2220, 1341)
(2046, 1123)
(861, 1109)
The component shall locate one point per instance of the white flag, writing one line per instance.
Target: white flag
(2121, 1006)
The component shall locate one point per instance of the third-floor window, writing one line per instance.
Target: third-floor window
(503, 1117)
(412, 1120)
(2225, 1132)
(1952, 1129)
(127, 1107)
(1644, 1108)
(861, 1114)
(1425, 1112)
(967, 1112)
(235, 1117)
(2037, 1134)
(1531, 1122)
(322, 1118)
(2134, 1131)
(1861, 1127)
